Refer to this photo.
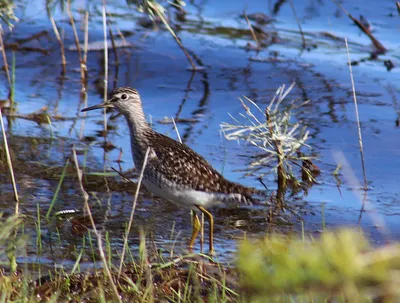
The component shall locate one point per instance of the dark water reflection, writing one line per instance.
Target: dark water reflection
(158, 69)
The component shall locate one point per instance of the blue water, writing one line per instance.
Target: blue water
(158, 69)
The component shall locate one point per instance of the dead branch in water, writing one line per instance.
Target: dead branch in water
(380, 48)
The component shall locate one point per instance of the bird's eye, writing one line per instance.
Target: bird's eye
(124, 96)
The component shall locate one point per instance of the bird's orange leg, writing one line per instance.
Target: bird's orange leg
(211, 227)
(196, 226)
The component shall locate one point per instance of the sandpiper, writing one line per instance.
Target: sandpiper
(173, 170)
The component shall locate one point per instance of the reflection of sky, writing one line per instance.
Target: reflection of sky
(158, 71)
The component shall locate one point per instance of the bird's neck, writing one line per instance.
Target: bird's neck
(138, 128)
(137, 123)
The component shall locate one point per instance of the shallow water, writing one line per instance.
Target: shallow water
(216, 36)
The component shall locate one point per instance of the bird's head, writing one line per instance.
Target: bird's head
(123, 99)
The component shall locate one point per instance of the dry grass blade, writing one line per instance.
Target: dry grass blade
(98, 235)
(86, 39)
(176, 130)
(253, 34)
(3, 51)
(360, 140)
(155, 8)
(63, 60)
(116, 58)
(78, 47)
(133, 211)
(10, 166)
(105, 65)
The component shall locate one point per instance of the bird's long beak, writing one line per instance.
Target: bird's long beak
(106, 104)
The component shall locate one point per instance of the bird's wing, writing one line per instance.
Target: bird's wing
(185, 167)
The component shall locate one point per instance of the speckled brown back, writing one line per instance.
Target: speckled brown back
(181, 165)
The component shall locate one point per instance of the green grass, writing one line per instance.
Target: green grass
(53, 201)
(336, 267)
(340, 266)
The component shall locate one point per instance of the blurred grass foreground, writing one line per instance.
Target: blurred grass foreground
(337, 267)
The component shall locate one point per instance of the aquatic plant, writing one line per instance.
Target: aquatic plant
(277, 136)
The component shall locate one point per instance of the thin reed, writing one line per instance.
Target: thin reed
(359, 133)
(62, 49)
(9, 163)
(133, 211)
(98, 235)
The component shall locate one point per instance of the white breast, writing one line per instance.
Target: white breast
(189, 197)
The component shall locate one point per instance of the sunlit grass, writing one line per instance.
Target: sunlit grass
(7, 12)
(337, 265)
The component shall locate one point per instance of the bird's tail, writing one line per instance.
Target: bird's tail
(250, 195)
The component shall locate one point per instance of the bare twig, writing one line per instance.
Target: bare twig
(122, 175)
(360, 140)
(63, 60)
(299, 25)
(133, 211)
(9, 162)
(251, 30)
(98, 235)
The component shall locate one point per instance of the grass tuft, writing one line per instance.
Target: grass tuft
(336, 265)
